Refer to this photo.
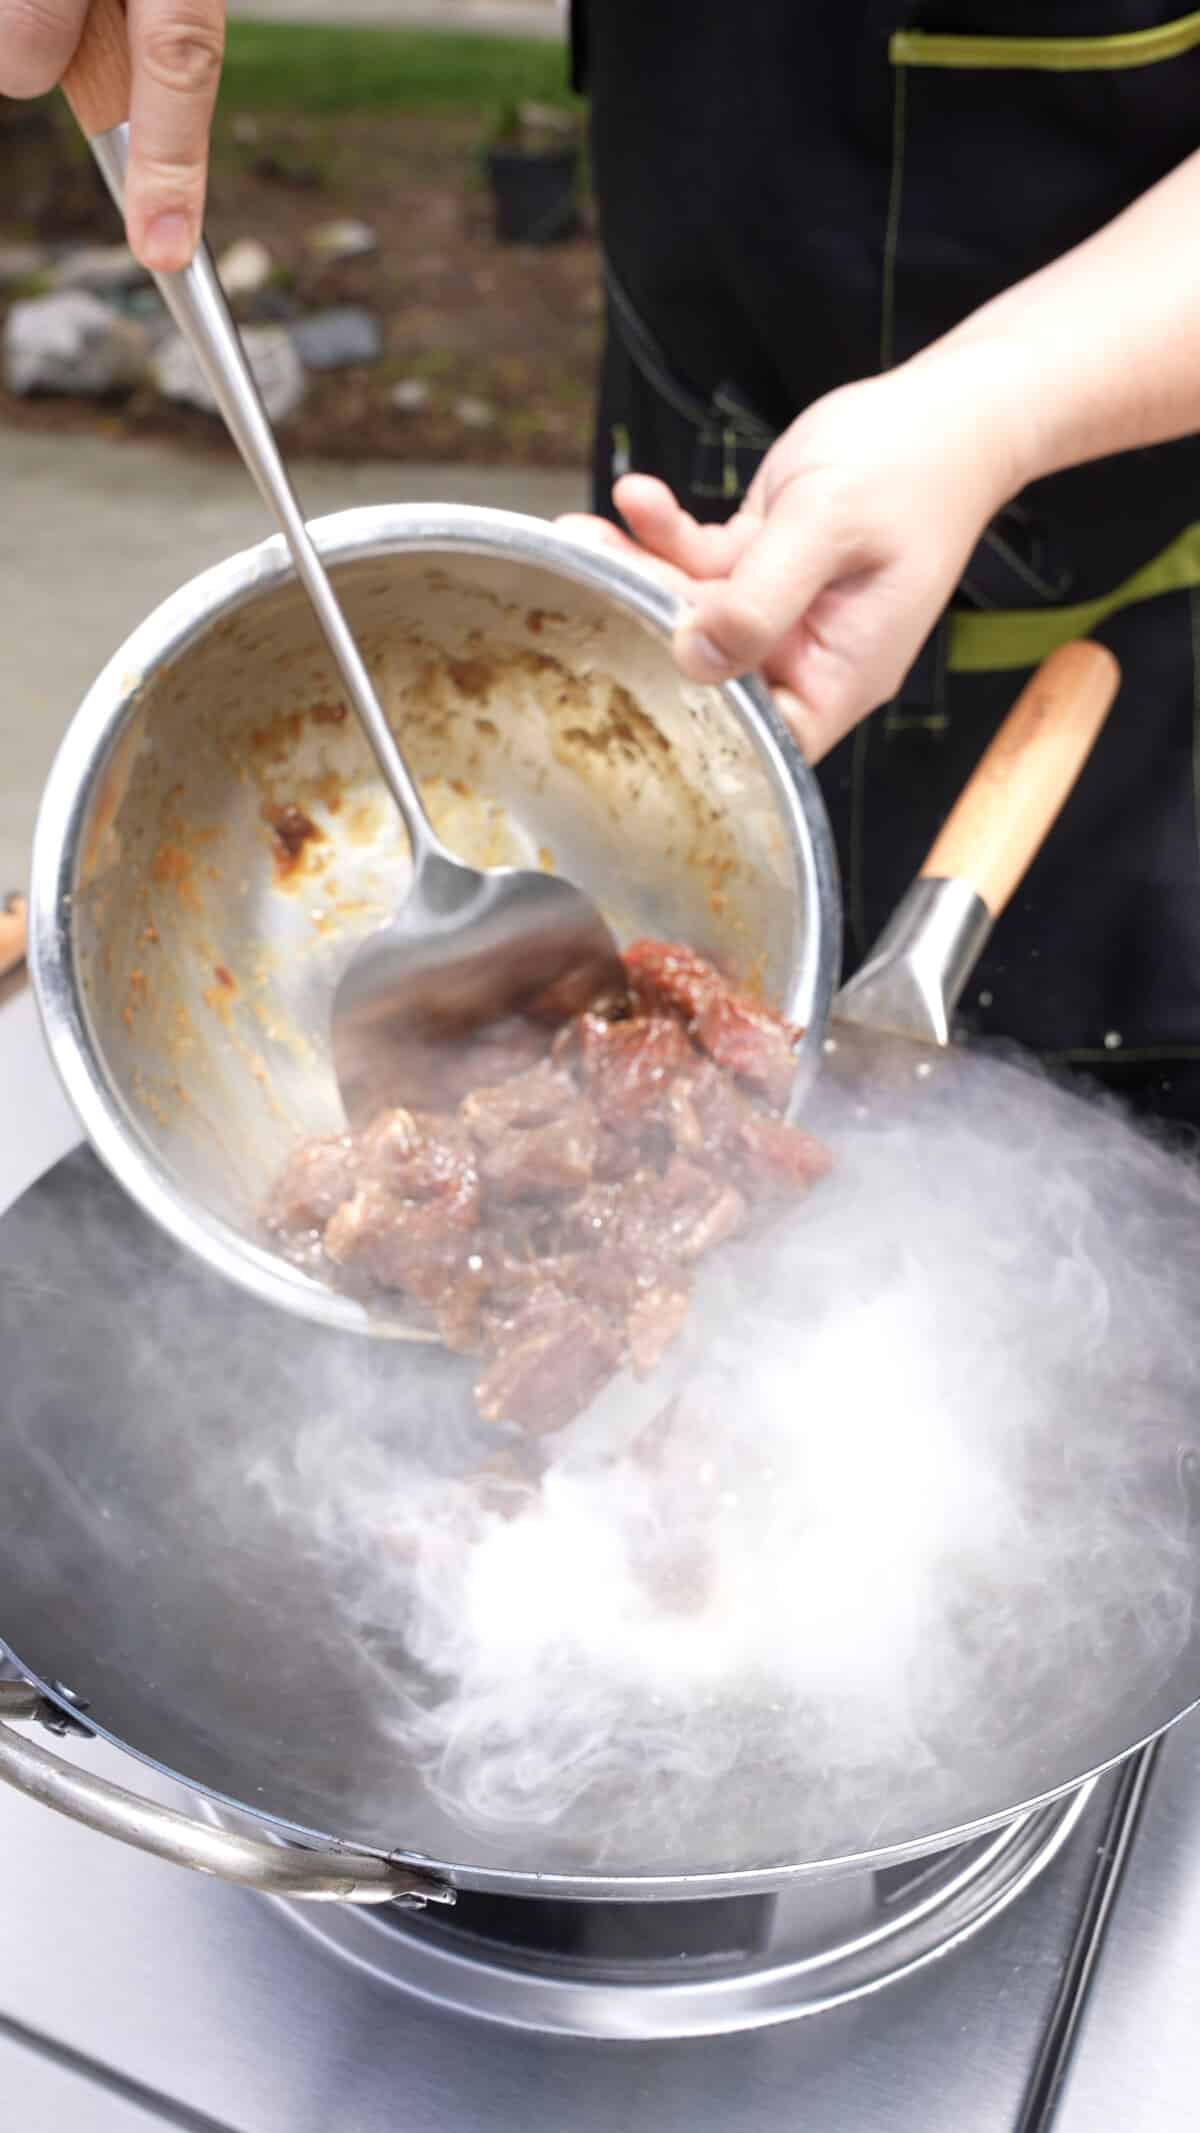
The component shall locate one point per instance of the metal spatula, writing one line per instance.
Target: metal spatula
(466, 948)
(891, 1024)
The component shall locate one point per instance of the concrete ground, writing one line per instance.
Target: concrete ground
(94, 533)
(506, 18)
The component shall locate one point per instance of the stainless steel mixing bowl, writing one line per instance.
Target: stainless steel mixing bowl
(214, 838)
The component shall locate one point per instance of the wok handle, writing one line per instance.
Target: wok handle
(322, 1876)
(914, 977)
(1000, 821)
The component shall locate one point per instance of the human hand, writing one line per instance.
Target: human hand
(176, 48)
(851, 539)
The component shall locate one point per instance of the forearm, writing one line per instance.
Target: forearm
(1100, 351)
(858, 525)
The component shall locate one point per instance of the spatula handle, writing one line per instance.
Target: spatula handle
(97, 86)
(97, 82)
(999, 823)
(12, 935)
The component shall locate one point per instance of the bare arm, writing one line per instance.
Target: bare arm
(863, 515)
(1104, 344)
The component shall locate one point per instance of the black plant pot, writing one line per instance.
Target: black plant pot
(536, 196)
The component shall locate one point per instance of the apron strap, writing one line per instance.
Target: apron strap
(1014, 564)
(731, 439)
(577, 45)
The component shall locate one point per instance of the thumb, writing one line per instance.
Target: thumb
(736, 622)
(662, 526)
(851, 652)
(175, 52)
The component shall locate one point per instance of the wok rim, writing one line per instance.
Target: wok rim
(598, 1887)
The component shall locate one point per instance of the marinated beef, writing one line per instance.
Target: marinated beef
(627, 1067)
(739, 1035)
(548, 1361)
(319, 1176)
(546, 1202)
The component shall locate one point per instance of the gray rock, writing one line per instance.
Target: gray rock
(276, 366)
(148, 309)
(474, 414)
(23, 262)
(69, 342)
(245, 268)
(410, 396)
(273, 307)
(332, 340)
(549, 119)
(342, 240)
(101, 269)
(143, 303)
(282, 169)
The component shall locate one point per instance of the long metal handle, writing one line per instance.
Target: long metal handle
(196, 302)
(914, 977)
(273, 1869)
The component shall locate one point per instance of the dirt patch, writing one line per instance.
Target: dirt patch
(514, 329)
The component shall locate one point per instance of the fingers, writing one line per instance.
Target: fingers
(663, 536)
(37, 42)
(774, 580)
(594, 532)
(176, 48)
(832, 651)
(851, 652)
(815, 732)
(663, 527)
(805, 729)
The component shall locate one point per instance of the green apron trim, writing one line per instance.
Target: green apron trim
(1058, 55)
(1021, 637)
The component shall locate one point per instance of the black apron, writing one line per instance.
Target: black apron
(795, 193)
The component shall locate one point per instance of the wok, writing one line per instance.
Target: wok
(150, 1597)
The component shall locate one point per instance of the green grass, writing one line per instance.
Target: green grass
(274, 65)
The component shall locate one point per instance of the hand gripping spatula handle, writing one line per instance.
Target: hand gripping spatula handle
(12, 935)
(893, 1019)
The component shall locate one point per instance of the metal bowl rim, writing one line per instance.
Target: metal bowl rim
(370, 532)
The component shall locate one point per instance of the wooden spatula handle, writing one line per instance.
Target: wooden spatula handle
(12, 935)
(96, 84)
(999, 823)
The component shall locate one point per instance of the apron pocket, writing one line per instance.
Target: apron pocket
(728, 438)
(1009, 150)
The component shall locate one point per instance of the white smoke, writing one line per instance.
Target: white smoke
(913, 1541)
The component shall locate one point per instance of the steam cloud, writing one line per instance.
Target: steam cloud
(896, 1527)
(903, 1532)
